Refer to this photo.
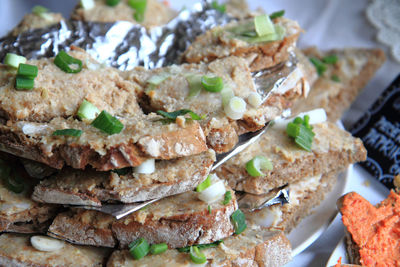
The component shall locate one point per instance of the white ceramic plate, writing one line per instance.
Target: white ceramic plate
(340, 251)
(311, 227)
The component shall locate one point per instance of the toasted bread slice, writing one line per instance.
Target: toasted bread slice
(171, 177)
(16, 250)
(304, 195)
(33, 21)
(254, 247)
(173, 93)
(32, 117)
(354, 68)
(157, 13)
(180, 220)
(332, 149)
(219, 42)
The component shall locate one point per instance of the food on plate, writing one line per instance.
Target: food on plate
(371, 231)
(148, 13)
(343, 75)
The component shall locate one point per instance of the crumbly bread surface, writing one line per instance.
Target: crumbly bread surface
(16, 251)
(218, 43)
(355, 67)
(32, 21)
(254, 247)
(157, 13)
(180, 220)
(332, 148)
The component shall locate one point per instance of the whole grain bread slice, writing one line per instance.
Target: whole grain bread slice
(332, 149)
(220, 42)
(256, 246)
(89, 187)
(29, 119)
(353, 70)
(33, 21)
(16, 251)
(180, 220)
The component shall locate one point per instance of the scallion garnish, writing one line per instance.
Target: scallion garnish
(67, 63)
(14, 60)
(37, 10)
(195, 85)
(319, 65)
(206, 183)
(22, 83)
(27, 71)
(227, 198)
(197, 256)
(158, 248)
(209, 209)
(87, 4)
(330, 59)
(239, 221)
(219, 7)
(87, 111)
(68, 132)
(140, 8)
(301, 131)
(139, 248)
(159, 78)
(263, 25)
(171, 116)
(201, 246)
(105, 122)
(277, 14)
(255, 166)
(212, 84)
(112, 2)
(335, 78)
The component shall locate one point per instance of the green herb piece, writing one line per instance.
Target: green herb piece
(201, 246)
(335, 78)
(239, 221)
(330, 59)
(195, 85)
(27, 71)
(319, 65)
(263, 25)
(206, 183)
(158, 248)
(301, 131)
(112, 2)
(22, 83)
(139, 248)
(212, 84)
(87, 111)
(277, 14)
(197, 256)
(171, 116)
(67, 63)
(227, 198)
(209, 209)
(255, 166)
(140, 8)
(105, 122)
(68, 132)
(13, 60)
(219, 7)
(38, 10)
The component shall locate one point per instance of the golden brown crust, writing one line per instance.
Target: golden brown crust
(33, 21)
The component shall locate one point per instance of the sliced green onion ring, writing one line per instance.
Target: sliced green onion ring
(255, 166)
(219, 7)
(195, 85)
(105, 122)
(158, 248)
(112, 2)
(239, 221)
(203, 185)
(159, 78)
(319, 65)
(140, 8)
(68, 132)
(39, 10)
(235, 108)
(139, 248)
(330, 59)
(201, 246)
(212, 84)
(87, 4)
(277, 14)
(13, 60)
(22, 83)
(87, 111)
(197, 256)
(263, 25)
(227, 198)
(27, 71)
(65, 62)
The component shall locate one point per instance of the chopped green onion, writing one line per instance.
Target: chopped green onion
(263, 25)
(105, 122)
(226, 95)
(219, 7)
(206, 183)
(140, 7)
(87, 4)
(14, 60)
(65, 62)
(197, 256)
(212, 84)
(227, 198)
(87, 111)
(209, 209)
(277, 14)
(255, 166)
(68, 132)
(112, 2)
(123, 171)
(319, 65)
(27, 71)
(302, 132)
(195, 85)
(335, 78)
(158, 248)
(331, 59)
(239, 221)
(201, 246)
(157, 79)
(22, 83)
(39, 10)
(139, 248)
(171, 116)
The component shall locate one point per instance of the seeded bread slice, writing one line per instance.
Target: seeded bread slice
(16, 251)
(30, 117)
(332, 149)
(354, 68)
(254, 247)
(90, 187)
(180, 220)
(219, 43)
